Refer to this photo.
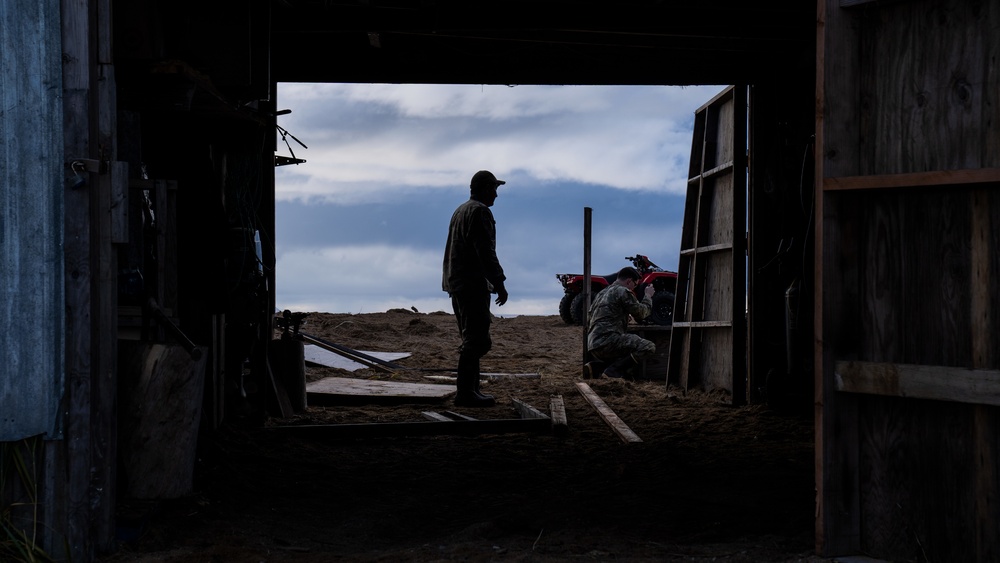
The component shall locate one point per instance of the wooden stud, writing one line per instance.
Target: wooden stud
(557, 410)
(609, 416)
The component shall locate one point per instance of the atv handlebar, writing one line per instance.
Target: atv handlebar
(642, 263)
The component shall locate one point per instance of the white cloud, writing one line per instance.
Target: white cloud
(348, 274)
(374, 143)
(383, 139)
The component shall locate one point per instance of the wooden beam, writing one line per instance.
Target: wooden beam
(588, 214)
(706, 249)
(942, 383)
(349, 391)
(609, 416)
(913, 180)
(557, 410)
(702, 324)
(396, 429)
(528, 411)
(486, 376)
(836, 153)
(435, 416)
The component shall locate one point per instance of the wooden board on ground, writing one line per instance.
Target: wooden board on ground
(487, 376)
(344, 390)
(447, 423)
(316, 355)
(609, 416)
(557, 408)
(434, 427)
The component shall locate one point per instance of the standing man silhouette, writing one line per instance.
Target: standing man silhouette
(470, 274)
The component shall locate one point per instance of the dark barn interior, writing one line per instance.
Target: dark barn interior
(210, 80)
(870, 136)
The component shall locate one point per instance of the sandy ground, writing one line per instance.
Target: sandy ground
(707, 482)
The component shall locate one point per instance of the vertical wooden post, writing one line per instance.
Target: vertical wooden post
(68, 473)
(984, 418)
(837, 466)
(587, 214)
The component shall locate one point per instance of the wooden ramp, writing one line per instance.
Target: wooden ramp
(348, 391)
(708, 343)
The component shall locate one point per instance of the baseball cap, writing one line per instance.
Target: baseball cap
(484, 179)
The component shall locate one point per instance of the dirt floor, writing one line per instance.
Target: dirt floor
(707, 482)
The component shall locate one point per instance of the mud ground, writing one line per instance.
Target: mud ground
(708, 482)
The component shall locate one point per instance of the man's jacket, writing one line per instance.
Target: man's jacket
(470, 255)
(609, 314)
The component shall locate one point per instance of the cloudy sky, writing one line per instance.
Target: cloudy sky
(361, 225)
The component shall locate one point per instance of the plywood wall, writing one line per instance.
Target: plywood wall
(909, 95)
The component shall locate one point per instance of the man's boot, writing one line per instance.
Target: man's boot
(621, 368)
(480, 394)
(468, 394)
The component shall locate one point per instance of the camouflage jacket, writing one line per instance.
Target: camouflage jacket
(609, 314)
(470, 256)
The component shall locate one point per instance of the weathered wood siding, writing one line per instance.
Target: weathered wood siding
(909, 274)
(929, 77)
(32, 182)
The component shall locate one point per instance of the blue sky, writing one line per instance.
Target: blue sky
(361, 225)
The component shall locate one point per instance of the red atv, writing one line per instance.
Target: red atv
(664, 282)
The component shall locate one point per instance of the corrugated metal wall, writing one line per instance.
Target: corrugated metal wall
(32, 180)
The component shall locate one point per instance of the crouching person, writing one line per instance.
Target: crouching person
(614, 351)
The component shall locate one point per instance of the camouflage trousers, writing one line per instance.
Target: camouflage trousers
(622, 345)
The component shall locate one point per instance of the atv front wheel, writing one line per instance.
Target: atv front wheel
(576, 309)
(663, 308)
(565, 307)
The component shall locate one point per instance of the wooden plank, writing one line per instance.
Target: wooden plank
(986, 421)
(914, 180)
(942, 383)
(724, 168)
(342, 390)
(703, 324)
(104, 420)
(400, 429)
(350, 386)
(435, 416)
(162, 391)
(345, 360)
(609, 416)
(527, 411)
(80, 276)
(926, 102)
(489, 376)
(118, 209)
(836, 153)
(587, 236)
(354, 355)
(708, 248)
(557, 410)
